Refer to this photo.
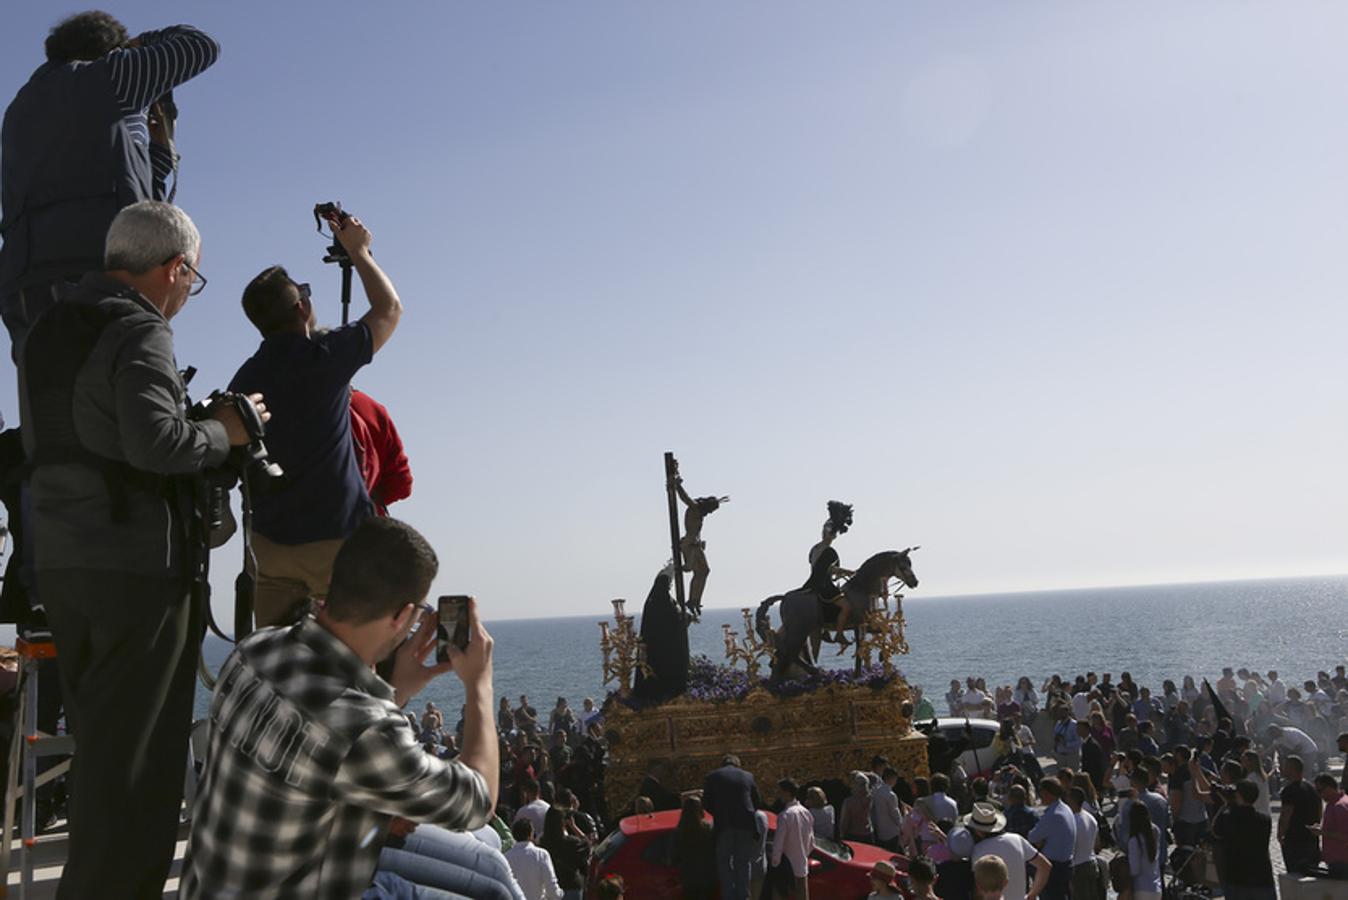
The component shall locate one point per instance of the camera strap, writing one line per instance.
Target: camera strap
(245, 586)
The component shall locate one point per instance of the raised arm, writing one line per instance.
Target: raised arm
(481, 749)
(387, 771)
(480, 753)
(682, 492)
(386, 309)
(158, 62)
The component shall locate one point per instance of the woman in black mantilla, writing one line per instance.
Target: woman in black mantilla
(826, 565)
(665, 633)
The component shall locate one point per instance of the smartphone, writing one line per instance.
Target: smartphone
(453, 627)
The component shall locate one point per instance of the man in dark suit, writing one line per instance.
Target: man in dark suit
(730, 794)
(1092, 756)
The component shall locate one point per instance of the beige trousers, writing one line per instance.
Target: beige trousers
(290, 578)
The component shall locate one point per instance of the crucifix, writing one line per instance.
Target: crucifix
(690, 551)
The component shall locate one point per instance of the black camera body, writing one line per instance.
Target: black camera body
(251, 459)
(323, 212)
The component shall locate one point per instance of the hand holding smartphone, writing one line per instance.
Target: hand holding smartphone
(453, 627)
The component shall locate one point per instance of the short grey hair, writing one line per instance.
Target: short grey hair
(148, 234)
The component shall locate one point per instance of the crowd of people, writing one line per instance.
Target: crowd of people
(1201, 763)
(1176, 775)
(1144, 788)
(1185, 714)
(1161, 784)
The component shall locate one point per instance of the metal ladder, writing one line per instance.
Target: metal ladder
(27, 747)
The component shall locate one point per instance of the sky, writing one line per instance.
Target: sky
(1054, 290)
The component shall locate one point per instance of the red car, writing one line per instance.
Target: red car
(641, 851)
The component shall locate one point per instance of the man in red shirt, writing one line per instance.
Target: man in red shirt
(379, 451)
(1333, 826)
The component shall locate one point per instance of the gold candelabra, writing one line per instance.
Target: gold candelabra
(624, 652)
(883, 632)
(751, 650)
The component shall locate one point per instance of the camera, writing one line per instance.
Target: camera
(331, 210)
(250, 460)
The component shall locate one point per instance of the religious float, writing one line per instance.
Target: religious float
(671, 719)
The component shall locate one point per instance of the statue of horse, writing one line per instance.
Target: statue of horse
(805, 615)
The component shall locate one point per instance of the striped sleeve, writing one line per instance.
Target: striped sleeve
(386, 770)
(161, 164)
(164, 60)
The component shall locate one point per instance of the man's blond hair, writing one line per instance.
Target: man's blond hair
(990, 874)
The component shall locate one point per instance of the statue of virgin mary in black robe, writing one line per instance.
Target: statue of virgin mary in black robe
(665, 634)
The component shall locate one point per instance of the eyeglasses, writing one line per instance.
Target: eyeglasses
(198, 280)
(303, 288)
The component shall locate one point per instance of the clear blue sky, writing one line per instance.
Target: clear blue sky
(1055, 290)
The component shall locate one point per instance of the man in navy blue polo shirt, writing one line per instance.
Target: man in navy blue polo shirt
(306, 376)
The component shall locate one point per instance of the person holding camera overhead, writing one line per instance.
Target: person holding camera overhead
(115, 460)
(90, 133)
(306, 376)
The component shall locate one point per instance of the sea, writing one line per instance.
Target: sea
(1297, 626)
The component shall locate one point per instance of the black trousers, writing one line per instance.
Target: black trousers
(21, 308)
(127, 647)
(1059, 885)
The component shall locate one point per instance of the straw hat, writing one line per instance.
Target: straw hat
(985, 818)
(884, 870)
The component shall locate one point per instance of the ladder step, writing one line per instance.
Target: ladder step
(52, 746)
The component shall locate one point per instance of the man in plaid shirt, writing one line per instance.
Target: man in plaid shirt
(310, 755)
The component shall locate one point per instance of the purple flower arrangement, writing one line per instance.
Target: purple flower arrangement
(712, 682)
(873, 676)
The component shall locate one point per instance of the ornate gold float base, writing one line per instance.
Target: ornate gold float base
(816, 736)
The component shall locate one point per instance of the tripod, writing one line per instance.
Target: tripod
(337, 254)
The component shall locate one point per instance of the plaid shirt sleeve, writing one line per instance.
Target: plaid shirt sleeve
(388, 771)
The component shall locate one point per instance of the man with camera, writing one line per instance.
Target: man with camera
(311, 756)
(306, 376)
(115, 461)
(90, 133)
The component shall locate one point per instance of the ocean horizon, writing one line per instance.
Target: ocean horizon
(1296, 625)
